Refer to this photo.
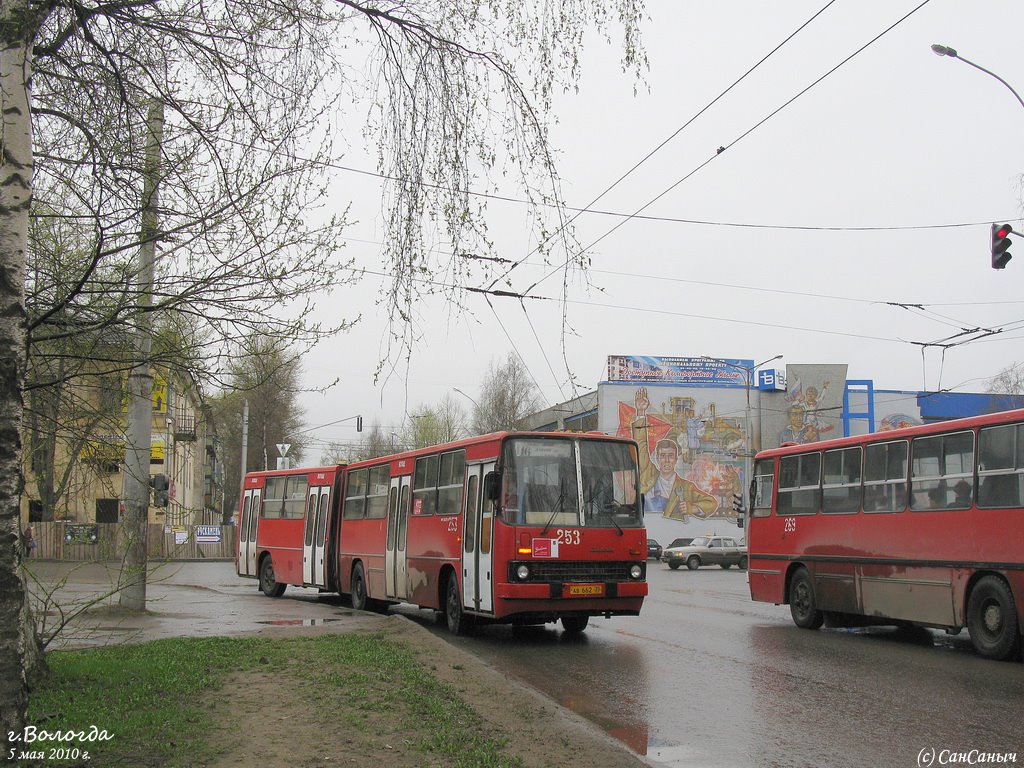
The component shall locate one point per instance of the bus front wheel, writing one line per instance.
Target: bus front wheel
(992, 619)
(268, 583)
(802, 605)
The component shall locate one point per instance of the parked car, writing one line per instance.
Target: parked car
(684, 542)
(723, 551)
(653, 550)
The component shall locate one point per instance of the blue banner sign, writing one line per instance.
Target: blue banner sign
(681, 371)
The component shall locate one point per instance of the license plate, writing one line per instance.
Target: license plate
(584, 590)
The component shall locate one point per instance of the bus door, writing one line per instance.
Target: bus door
(247, 532)
(395, 567)
(478, 537)
(314, 536)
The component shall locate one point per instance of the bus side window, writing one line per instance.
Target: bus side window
(999, 491)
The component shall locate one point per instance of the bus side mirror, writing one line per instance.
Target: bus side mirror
(492, 486)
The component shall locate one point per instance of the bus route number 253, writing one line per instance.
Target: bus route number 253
(789, 525)
(567, 536)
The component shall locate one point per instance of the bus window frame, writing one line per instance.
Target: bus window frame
(987, 477)
(944, 481)
(767, 504)
(859, 484)
(794, 489)
(887, 482)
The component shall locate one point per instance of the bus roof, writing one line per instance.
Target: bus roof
(937, 427)
(493, 439)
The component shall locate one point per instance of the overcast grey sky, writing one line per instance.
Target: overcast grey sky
(812, 223)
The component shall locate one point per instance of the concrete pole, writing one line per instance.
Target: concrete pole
(139, 432)
(245, 450)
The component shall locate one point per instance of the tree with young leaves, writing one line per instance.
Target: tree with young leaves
(1009, 381)
(268, 376)
(431, 425)
(508, 395)
(459, 89)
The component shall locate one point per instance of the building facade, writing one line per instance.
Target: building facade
(699, 420)
(75, 458)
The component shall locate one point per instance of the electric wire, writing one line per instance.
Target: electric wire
(737, 140)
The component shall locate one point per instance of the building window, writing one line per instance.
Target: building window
(107, 511)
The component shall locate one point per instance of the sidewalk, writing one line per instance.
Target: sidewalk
(183, 599)
(203, 598)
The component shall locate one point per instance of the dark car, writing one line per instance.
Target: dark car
(684, 542)
(723, 551)
(653, 550)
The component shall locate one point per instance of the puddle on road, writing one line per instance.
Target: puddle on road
(115, 629)
(297, 622)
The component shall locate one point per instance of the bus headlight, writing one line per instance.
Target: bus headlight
(635, 571)
(522, 572)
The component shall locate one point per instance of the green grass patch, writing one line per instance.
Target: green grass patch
(160, 700)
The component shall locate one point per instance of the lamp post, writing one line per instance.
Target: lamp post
(945, 50)
(474, 402)
(748, 376)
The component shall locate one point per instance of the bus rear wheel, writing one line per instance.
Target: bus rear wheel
(459, 622)
(802, 605)
(992, 619)
(359, 601)
(268, 583)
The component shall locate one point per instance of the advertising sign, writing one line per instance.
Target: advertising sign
(208, 534)
(81, 534)
(680, 371)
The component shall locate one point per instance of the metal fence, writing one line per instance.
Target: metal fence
(105, 541)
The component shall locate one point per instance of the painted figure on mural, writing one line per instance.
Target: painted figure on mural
(812, 416)
(694, 432)
(795, 431)
(664, 489)
(810, 426)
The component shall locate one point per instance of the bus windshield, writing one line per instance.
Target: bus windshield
(558, 481)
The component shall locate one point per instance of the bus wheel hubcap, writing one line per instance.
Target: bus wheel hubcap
(993, 618)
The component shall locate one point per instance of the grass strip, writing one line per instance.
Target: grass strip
(161, 699)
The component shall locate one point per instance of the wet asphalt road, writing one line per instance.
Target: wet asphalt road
(703, 678)
(707, 678)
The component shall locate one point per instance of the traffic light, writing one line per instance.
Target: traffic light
(739, 509)
(1000, 244)
(159, 485)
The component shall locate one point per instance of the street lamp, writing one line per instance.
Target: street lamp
(748, 374)
(474, 402)
(945, 50)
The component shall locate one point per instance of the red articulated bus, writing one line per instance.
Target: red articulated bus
(284, 525)
(513, 527)
(921, 526)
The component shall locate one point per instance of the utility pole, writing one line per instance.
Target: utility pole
(139, 432)
(245, 449)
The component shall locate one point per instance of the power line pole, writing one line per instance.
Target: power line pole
(139, 432)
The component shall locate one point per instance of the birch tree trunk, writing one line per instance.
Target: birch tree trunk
(15, 199)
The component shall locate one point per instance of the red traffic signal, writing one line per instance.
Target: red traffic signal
(1000, 244)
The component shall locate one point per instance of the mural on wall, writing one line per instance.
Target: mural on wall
(811, 407)
(897, 421)
(691, 459)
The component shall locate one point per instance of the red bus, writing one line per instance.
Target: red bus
(513, 527)
(283, 527)
(921, 526)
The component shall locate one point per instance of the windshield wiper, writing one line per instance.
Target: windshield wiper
(556, 510)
